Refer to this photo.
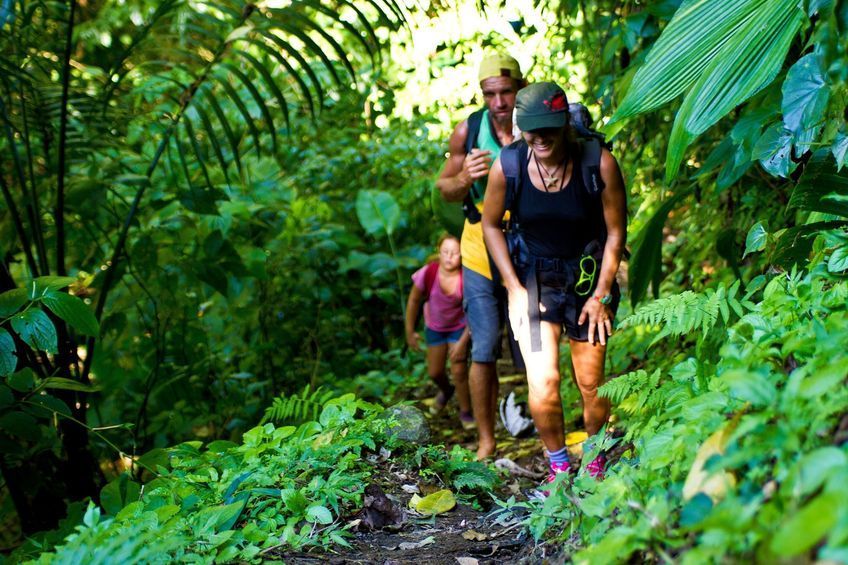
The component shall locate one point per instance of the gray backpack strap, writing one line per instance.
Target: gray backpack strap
(590, 165)
(511, 165)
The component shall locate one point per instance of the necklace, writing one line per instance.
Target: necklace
(550, 179)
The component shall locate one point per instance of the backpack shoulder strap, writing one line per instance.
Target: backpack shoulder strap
(511, 157)
(430, 276)
(590, 165)
(474, 122)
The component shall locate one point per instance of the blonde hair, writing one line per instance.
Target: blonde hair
(442, 238)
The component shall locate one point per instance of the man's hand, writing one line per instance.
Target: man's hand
(476, 165)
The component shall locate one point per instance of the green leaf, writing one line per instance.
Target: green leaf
(11, 301)
(646, 263)
(378, 212)
(8, 359)
(750, 387)
(20, 425)
(42, 285)
(820, 180)
(808, 526)
(61, 383)
(689, 42)
(118, 493)
(320, 514)
(815, 467)
(36, 329)
(838, 260)
(23, 380)
(743, 66)
(756, 239)
(774, 151)
(72, 310)
(840, 150)
(805, 97)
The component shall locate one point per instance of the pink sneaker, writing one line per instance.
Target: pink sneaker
(556, 469)
(596, 467)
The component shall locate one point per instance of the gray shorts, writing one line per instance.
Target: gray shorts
(484, 302)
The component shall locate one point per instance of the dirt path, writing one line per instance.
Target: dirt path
(464, 535)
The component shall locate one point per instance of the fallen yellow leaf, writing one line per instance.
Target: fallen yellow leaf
(437, 503)
(716, 484)
(575, 437)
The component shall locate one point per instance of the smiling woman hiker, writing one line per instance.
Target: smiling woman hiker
(567, 234)
(439, 286)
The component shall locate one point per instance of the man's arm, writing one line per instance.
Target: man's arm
(461, 169)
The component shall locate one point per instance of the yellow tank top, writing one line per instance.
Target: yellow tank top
(473, 248)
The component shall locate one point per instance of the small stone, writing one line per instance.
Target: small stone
(410, 424)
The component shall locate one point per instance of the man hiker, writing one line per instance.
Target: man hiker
(474, 145)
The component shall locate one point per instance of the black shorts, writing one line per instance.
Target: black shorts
(563, 305)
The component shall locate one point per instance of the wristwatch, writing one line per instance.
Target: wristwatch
(605, 300)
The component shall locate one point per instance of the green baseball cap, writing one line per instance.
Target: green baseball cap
(541, 105)
(499, 65)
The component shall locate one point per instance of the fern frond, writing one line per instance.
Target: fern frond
(688, 312)
(474, 480)
(297, 408)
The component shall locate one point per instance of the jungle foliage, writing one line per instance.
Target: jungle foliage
(210, 210)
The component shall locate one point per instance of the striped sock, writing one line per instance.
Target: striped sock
(560, 456)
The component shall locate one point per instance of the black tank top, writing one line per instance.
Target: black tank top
(559, 224)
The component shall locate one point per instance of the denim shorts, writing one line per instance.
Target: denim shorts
(434, 337)
(484, 302)
(563, 305)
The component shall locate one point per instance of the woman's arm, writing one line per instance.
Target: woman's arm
(614, 203)
(493, 211)
(413, 307)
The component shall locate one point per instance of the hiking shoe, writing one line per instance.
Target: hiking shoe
(596, 467)
(441, 401)
(467, 421)
(556, 469)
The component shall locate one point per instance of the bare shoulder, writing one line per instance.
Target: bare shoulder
(458, 137)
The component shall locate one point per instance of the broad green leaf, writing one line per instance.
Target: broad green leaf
(750, 387)
(437, 503)
(23, 380)
(8, 359)
(36, 329)
(805, 96)
(11, 301)
(118, 493)
(73, 311)
(808, 526)
(320, 514)
(756, 239)
(20, 425)
(815, 467)
(743, 66)
(696, 33)
(838, 260)
(840, 150)
(378, 212)
(819, 181)
(646, 263)
(47, 407)
(42, 285)
(774, 151)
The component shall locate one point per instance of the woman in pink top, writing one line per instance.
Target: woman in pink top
(438, 285)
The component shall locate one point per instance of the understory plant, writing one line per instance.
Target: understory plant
(762, 392)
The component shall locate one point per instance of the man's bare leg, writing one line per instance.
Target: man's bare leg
(484, 394)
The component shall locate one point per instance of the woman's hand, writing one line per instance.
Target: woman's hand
(600, 318)
(518, 316)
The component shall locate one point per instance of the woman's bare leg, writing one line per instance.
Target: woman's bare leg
(588, 361)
